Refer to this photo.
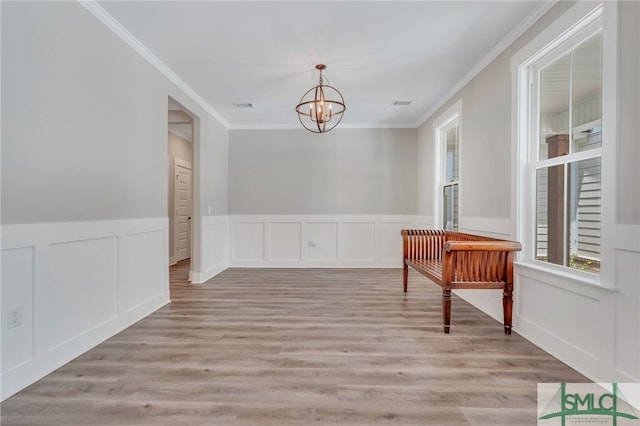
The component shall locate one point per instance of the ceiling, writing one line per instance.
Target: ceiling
(376, 52)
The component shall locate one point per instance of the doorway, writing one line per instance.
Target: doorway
(180, 198)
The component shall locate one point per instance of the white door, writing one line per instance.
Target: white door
(182, 212)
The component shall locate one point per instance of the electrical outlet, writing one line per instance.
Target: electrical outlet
(14, 317)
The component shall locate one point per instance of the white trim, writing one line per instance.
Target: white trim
(284, 126)
(214, 248)
(579, 18)
(120, 266)
(610, 98)
(573, 157)
(453, 113)
(105, 17)
(507, 41)
(567, 277)
(325, 241)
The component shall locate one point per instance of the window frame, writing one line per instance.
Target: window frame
(571, 26)
(441, 125)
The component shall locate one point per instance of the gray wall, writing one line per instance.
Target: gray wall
(628, 195)
(486, 129)
(179, 148)
(84, 122)
(213, 151)
(486, 142)
(363, 171)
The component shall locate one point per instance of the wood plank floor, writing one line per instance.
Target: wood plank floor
(298, 347)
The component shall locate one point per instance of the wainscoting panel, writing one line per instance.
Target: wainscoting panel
(74, 285)
(141, 278)
(389, 241)
(215, 247)
(319, 240)
(593, 328)
(560, 312)
(627, 314)
(357, 241)
(284, 239)
(17, 298)
(248, 245)
(81, 288)
(566, 318)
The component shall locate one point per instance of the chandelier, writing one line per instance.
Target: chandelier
(321, 108)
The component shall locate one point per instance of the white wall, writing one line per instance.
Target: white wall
(74, 285)
(85, 185)
(345, 171)
(214, 245)
(319, 240)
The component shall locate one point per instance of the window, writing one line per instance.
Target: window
(447, 137)
(450, 176)
(565, 143)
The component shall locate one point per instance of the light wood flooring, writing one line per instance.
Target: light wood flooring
(298, 347)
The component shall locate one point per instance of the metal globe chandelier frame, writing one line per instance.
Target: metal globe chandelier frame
(322, 107)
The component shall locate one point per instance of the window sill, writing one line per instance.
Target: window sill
(560, 277)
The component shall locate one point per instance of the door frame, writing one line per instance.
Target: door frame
(196, 222)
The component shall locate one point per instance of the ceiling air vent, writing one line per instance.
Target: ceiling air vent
(243, 104)
(401, 103)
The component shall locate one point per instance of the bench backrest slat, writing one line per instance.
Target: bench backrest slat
(423, 243)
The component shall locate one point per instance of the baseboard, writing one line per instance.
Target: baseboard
(201, 277)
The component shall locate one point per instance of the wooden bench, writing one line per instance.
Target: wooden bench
(455, 260)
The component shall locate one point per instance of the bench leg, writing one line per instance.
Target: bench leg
(507, 307)
(446, 310)
(405, 275)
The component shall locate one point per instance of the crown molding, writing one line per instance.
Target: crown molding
(105, 17)
(108, 20)
(342, 126)
(507, 41)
